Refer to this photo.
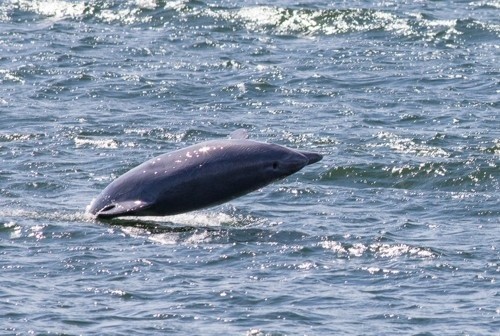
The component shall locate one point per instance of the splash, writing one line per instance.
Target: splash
(48, 215)
(195, 219)
(190, 229)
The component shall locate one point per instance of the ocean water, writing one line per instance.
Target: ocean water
(395, 231)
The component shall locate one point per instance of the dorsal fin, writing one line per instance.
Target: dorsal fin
(240, 133)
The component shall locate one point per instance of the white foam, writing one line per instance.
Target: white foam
(126, 15)
(55, 9)
(199, 237)
(192, 219)
(170, 238)
(307, 265)
(307, 23)
(374, 270)
(98, 143)
(166, 238)
(406, 145)
(378, 249)
(15, 229)
(334, 246)
(176, 4)
(493, 3)
(9, 77)
(146, 4)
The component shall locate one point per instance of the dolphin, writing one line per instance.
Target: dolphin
(199, 176)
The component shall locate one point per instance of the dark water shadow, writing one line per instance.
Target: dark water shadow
(155, 227)
(219, 233)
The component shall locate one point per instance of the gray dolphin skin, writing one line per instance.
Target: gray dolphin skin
(199, 176)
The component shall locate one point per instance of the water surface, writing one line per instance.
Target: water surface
(395, 231)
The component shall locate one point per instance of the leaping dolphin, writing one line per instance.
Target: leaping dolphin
(198, 176)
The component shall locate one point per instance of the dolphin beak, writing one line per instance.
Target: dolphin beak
(311, 157)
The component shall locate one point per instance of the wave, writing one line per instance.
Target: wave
(206, 228)
(262, 19)
(456, 176)
(19, 222)
(440, 162)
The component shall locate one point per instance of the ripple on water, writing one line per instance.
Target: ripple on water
(397, 227)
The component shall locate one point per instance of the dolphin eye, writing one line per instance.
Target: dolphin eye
(275, 165)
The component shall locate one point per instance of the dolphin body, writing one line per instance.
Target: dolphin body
(198, 176)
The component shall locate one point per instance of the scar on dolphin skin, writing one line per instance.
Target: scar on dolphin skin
(199, 176)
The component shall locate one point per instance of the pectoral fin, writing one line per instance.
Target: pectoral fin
(126, 208)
